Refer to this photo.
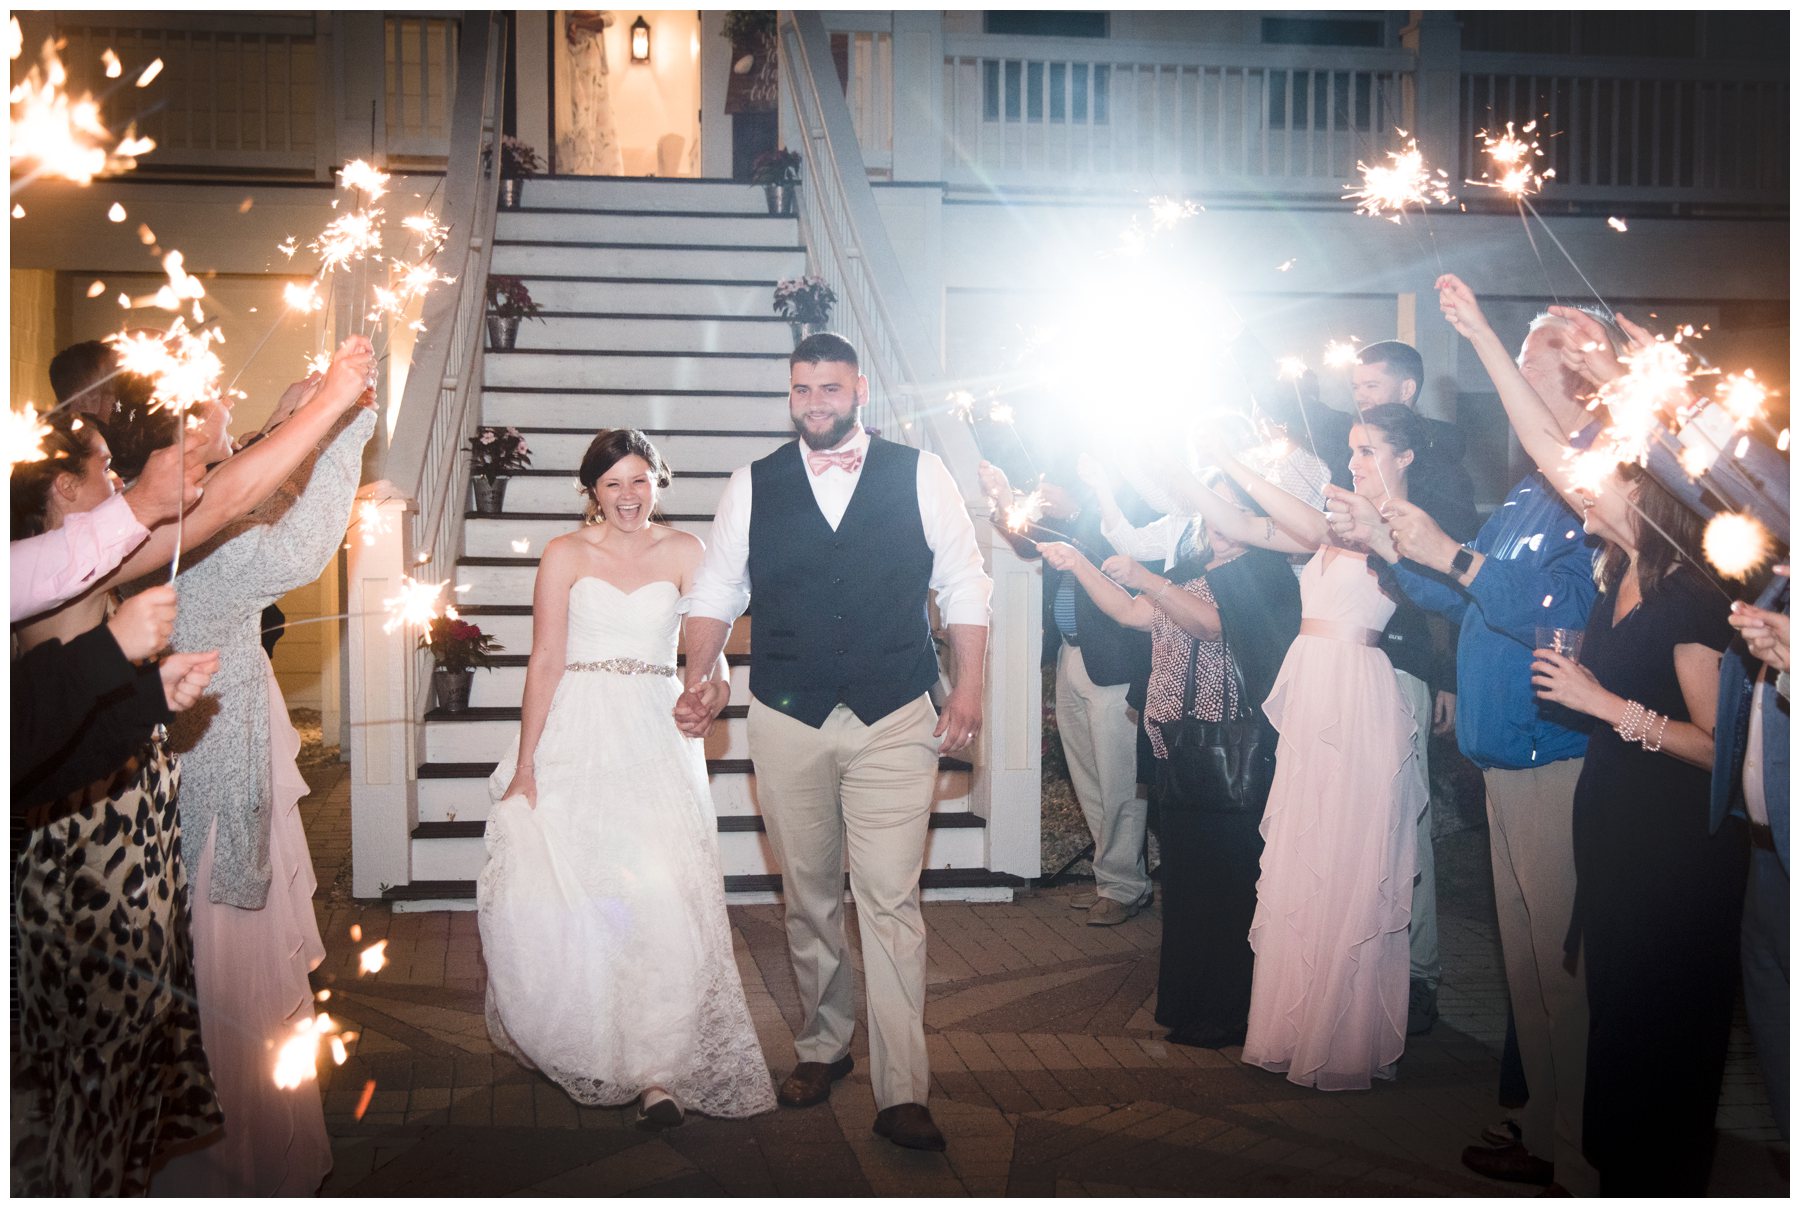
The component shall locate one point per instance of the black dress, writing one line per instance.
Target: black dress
(1211, 858)
(1657, 907)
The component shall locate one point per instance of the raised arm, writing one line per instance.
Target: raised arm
(245, 480)
(1291, 527)
(549, 650)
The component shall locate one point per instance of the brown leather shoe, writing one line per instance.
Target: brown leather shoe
(811, 1081)
(909, 1125)
(1508, 1163)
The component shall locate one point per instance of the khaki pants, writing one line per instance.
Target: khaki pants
(1099, 739)
(862, 792)
(1531, 839)
(1422, 941)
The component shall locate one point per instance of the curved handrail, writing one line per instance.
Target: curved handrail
(849, 247)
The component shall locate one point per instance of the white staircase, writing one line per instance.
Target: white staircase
(657, 305)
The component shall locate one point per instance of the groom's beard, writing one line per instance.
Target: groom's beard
(833, 436)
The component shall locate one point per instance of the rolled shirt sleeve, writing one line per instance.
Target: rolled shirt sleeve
(722, 586)
(55, 567)
(963, 587)
(1158, 541)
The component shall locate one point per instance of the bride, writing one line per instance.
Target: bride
(602, 907)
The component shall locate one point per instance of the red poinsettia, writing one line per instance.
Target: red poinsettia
(457, 645)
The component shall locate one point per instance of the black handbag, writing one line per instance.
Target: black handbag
(1216, 766)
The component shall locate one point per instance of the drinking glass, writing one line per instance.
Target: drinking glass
(1566, 642)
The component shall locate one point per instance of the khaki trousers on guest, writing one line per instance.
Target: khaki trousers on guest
(1422, 939)
(1099, 740)
(861, 791)
(1531, 838)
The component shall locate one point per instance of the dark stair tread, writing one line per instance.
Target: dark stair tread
(931, 878)
(481, 771)
(952, 820)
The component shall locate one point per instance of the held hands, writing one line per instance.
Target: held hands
(143, 623)
(1457, 301)
(1563, 681)
(185, 676)
(960, 722)
(699, 706)
(169, 485)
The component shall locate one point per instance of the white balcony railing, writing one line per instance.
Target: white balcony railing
(1079, 113)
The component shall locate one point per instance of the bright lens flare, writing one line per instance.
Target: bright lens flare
(1736, 545)
(374, 957)
(56, 135)
(1406, 180)
(24, 438)
(1166, 213)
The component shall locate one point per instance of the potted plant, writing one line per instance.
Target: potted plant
(508, 301)
(518, 160)
(493, 453)
(805, 302)
(458, 648)
(778, 172)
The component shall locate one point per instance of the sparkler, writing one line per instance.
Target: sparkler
(1513, 158)
(1339, 354)
(374, 957)
(1737, 545)
(298, 1059)
(1166, 213)
(24, 437)
(1617, 224)
(1406, 180)
(418, 604)
(56, 135)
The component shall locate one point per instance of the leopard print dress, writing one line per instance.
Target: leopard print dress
(108, 1072)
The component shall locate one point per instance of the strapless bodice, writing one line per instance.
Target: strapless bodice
(607, 623)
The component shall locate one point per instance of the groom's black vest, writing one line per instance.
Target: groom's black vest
(839, 616)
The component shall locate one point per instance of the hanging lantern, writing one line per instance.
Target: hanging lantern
(640, 41)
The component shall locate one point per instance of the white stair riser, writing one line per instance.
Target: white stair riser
(600, 193)
(564, 451)
(630, 410)
(466, 799)
(496, 537)
(654, 374)
(700, 298)
(535, 493)
(701, 230)
(741, 853)
(679, 263)
(504, 687)
(478, 741)
(657, 335)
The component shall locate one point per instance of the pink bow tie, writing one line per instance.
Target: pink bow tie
(847, 460)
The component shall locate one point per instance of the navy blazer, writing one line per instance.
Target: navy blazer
(1738, 671)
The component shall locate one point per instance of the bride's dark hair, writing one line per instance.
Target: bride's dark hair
(607, 450)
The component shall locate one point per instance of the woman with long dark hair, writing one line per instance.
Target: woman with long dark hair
(1658, 899)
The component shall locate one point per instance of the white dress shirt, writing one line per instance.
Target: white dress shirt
(722, 588)
(1158, 541)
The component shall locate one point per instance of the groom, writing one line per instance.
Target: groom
(839, 537)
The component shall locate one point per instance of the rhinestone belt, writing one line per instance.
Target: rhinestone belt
(622, 667)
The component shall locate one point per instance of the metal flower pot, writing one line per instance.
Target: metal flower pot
(511, 187)
(490, 495)
(452, 688)
(780, 199)
(800, 330)
(502, 332)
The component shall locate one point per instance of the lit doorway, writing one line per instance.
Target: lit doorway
(627, 93)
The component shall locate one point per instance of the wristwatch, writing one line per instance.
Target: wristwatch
(1465, 558)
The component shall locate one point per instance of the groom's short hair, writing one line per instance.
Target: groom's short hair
(824, 346)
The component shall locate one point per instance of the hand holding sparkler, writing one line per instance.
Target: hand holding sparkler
(994, 484)
(169, 485)
(1060, 555)
(1353, 520)
(143, 623)
(1129, 573)
(349, 374)
(1415, 535)
(1460, 308)
(1765, 632)
(185, 676)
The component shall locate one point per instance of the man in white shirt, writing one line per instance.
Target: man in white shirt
(839, 537)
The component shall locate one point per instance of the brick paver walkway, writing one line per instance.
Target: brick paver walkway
(1049, 1076)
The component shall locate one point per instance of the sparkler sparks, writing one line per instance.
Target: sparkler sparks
(150, 73)
(1166, 213)
(96, 289)
(1290, 369)
(1736, 545)
(1743, 397)
(962, 405)
(1340, 354)
(348, 237)
(417, 605)
(1617, 224)
(113, 67)
(181, 364)
(54, 134)
(304, 298)
(24, 437)
(1513, 159)
(116, 214)
(371, 522)
(1001, 413)
(373, 958)
(18, 211)
(1406, 180)
(363, 177)
(1025, 510)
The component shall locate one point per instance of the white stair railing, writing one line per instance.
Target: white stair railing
(848, 245)
(421, 492)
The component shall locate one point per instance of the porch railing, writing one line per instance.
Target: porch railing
(847, 244)
(422, 488)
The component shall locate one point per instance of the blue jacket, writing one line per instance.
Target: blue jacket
(1738, 670)
(1539, 570)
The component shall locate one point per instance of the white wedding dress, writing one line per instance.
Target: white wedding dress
(602, 911)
